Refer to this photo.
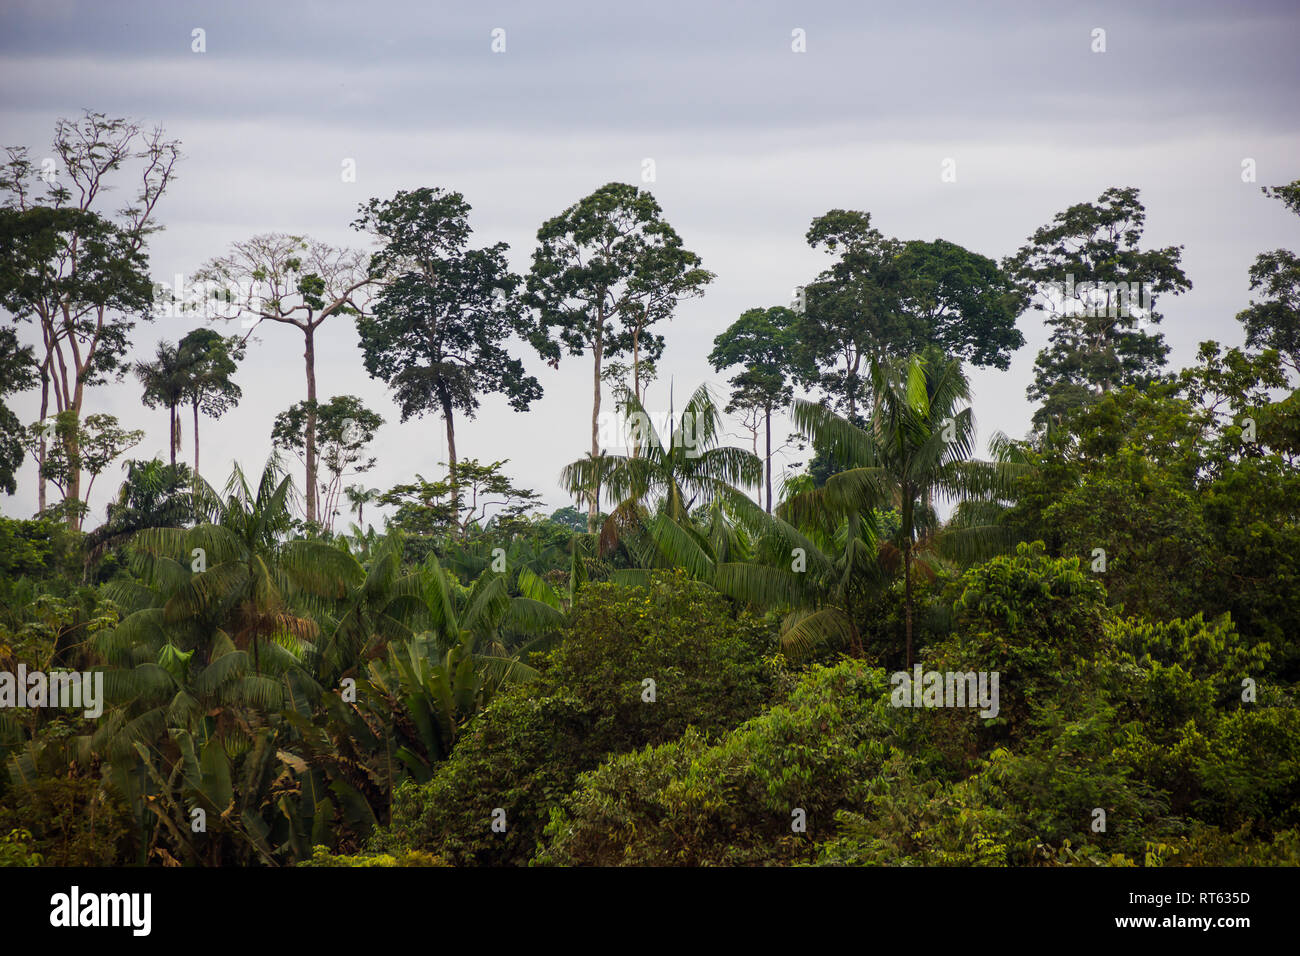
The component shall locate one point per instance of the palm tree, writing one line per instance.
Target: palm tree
(358, 497)
(916, 447)
(385, 607)
(212, 651)
(427, 655)
(427, 687)
(246, 575)
(153, 495)
(166, 380)
(689, 469)
(821, 569)
(208, 361)
(219, 673)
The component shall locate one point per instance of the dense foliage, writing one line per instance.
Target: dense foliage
(1079, 649)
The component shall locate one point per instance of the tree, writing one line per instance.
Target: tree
(849, 310)
(687, 469)
(343, 429)
(436, 507)
(18, 373)
(440, 322)
(1171, 477)
(153, 495)
(1274, 322)
(886, 297)
(358, 497)
(527, 750)
(1099, 288)
(75, 274)
(916, 446)
(961, 301)
(605, 271)
(213, 674)
(165, 381)
(245, 586)
(295, 281)
(210, 360)
(81, 276)
(570, 518)
(817, 563)
(87, 445)
(764, 342)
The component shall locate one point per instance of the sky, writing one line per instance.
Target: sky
(750, 140)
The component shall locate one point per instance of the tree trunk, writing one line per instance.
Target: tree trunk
(853, 388)
(636, 384)
(452, 478)
(196, 439)
(172, 442)
(593, 500)
(907, 600)
(74, 447)
(309, 354)
(636, 363)
(72, 453)
(40, 451)
(768, 460)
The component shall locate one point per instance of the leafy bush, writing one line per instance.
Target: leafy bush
(523, 753)
(691, 803)
(1032, 619)
(1037, 805)
(70, 821)
(321, 857)
(1250, 771)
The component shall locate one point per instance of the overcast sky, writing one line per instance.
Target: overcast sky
(750, 142)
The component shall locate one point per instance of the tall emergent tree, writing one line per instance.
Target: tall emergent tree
(165, 380)
(605, 271)
(961, 301)
(440, 323)
(764, 342)
(849, 311)
(885, 297)
(1099, 290)
(344, 427)
(76, 270)
(210, 359)
(296, 281)
(1274, 321)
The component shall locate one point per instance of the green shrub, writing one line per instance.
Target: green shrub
(321, 857)
(1019, 808)
(1033, 620)
(71, 821)
(1250, 771)
(524, 752)
(693, 803)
